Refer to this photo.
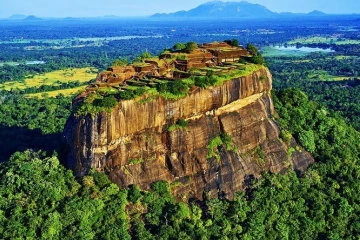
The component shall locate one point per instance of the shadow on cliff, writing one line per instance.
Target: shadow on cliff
(13, 139)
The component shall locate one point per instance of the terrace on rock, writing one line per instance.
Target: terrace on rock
(172, 65)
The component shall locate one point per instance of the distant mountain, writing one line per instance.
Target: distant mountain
(21, 17)
(32, 18)
(110, 16)
(219, 9)
(316, 13)
(17, 17)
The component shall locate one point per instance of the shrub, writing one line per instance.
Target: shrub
(179, 46)
(145, 55)
(286, 136)
(252, 49)
(204, 81)
(213, 148)
(139, 91)
(256, 56)
(127, 94)
(142, 57)
(106, 102)
(223, 140)
(175, 87)
(131, 94)
(180, 124)
(181, 57)
(233, 42)
(120, 62)
(200, 81)
(242, 61)
(257, 59)
(191, 46)
(161, 87)
(135, 161)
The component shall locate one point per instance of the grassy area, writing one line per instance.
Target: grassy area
(321, 75)
(342, 57)
(81, 75)
(247, 69)
(65, 92)
(328, 40)
(170, 90)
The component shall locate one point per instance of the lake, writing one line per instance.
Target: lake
(303, 49)
(17, 64)
(291, 51)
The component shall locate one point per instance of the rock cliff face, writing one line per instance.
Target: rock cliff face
(133, 144)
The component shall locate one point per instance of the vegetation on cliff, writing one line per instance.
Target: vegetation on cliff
(323, 203)
(170, 90)
(170, 75)
(222, 140)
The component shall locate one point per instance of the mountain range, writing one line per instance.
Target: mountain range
(20, 17)
(219, 9)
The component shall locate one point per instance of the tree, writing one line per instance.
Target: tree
(233, 42)
(191, 46)
(145, 55)
(107, 102)
(252, 49)
(307, 140)
(179, 46)
(256, 57)
(142, 57)
(120, 62)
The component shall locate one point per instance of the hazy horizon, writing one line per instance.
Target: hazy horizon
(142, 8)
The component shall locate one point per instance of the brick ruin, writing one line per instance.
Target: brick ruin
(173, 65)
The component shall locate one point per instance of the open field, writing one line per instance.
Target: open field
(65, 92)
(54, 78)
(321, 75)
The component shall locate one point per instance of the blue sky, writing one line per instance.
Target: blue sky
(91, 8)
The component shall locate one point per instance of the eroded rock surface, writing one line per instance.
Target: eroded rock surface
(133, 145)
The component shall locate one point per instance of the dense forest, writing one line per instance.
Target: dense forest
(329, 79)
(322, 203)
(31, 123)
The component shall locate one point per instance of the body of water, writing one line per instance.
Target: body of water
(17, 64)
(303, 49)
(34, 62)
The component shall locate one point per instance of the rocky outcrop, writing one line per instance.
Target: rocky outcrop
(230, 137)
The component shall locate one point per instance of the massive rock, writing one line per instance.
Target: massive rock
(132, 143)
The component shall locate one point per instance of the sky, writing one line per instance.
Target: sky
(94, 8)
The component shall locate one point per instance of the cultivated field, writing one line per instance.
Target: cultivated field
(54, 78)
